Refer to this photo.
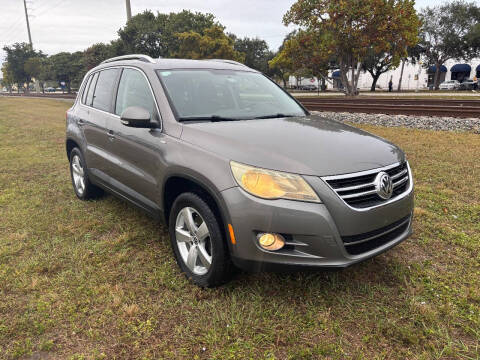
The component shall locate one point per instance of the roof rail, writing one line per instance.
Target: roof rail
(140, 57)
(233, 62)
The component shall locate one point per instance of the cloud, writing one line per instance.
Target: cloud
(71, 25)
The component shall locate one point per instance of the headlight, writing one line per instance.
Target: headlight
(269, 184)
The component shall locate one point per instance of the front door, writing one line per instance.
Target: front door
(138, 151)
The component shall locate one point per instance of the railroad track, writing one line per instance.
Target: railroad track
(424, 107)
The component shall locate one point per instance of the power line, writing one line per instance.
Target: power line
(41, 8)
(12, 33)
(45, 10)
(13, 29)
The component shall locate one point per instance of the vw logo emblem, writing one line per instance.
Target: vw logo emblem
(384, 185)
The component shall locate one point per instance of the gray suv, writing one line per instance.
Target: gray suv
(242, 173)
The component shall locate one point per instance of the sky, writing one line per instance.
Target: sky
(71, 25)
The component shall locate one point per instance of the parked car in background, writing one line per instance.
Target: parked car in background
(468, 85)
(50, 89)
(450, 85)
(309, 87)
(240, 171)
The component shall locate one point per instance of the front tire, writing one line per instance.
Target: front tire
(198, 242)
(82, 186)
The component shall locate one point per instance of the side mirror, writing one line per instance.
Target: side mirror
(136, 116)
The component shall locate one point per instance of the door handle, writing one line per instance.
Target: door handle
(81, 122)
(111, 135)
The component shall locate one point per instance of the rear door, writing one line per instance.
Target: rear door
(96, 109)
(138, 151)
(93, 127)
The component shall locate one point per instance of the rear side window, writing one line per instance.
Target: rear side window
(91, 89)
(134, 90)
(85, 90)
(102, 99)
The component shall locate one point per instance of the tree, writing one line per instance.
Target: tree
(35, 68)
(473, 37)
(17, 55)
(156, 35)
(281, 65)
(304, 57)
(143, 35)
(184, 21)
(8, 78)
(376, 64)
(67, 68)
(256, 51)
(348, 29)
(379, 63)
(413, 56)
(118, 47)
(214, 44)
(315, 62)
(449, 31)
(97, 53)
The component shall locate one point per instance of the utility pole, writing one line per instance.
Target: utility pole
(129, 9)
(28, 23)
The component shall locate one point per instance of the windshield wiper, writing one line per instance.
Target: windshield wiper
(208, 118)
(274, 116)
(215, 118)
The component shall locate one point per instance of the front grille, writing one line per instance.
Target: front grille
(362, 243)
(359, 191)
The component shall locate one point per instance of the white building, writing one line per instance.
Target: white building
(452, 70)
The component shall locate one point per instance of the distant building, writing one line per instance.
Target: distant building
(451, 70)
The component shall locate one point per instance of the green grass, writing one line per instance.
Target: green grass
(96, 280)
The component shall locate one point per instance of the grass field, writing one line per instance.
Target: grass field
(96, 280)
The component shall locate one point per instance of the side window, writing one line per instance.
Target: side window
(91, 89)
(103, 91)
(85, 90)
(134, 90)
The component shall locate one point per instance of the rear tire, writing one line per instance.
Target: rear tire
(198, 241)
(82, 186)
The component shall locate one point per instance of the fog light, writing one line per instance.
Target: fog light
(271, 242)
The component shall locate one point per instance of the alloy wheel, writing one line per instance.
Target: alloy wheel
(78, 174)
(193, 241)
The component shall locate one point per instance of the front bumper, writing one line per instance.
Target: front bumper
(315, 233)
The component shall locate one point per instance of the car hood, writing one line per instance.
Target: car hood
(311, 145)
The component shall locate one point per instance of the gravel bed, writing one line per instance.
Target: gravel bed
(411, 121)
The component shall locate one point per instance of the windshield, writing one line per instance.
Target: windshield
(226, 95)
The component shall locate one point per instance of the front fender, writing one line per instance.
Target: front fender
(206, 185)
